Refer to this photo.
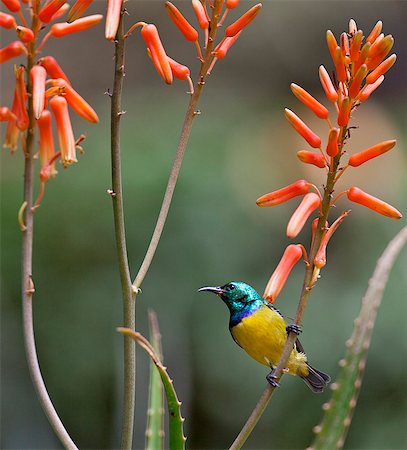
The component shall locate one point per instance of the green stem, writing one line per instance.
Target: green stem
(129, 385)
(27, 287)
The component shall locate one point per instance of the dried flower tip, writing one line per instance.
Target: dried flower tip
(66, 138)
(78, 9)
(12, 50)
(315, 159)
(344, 112)
(339, 62)
(376, 150)
(25, 34)
(327, 85)
(312, 139)
(381, 69)
(309, 101)
(355, 44)
(291, 256)
(7, 21)
(47, 149)
(332, 148)
(332, 44)
(114, 8)
(12, 5)
(357, 81)
(377, 29)
(243, 21)
(284, 194)
(224, 46)
(366, 92)
(38, 76)
(59, 30)
(358, 196)
(47, 12)
(53, 68)
(151, 37)
(6, 114)
(200, 14)
(379, 51)
(181, 23)
(19, 107)
(309, 203)
(76, 102)
(353, 28)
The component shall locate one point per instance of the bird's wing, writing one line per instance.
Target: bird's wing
(299, 347)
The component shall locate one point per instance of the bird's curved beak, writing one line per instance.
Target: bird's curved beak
(215, 289)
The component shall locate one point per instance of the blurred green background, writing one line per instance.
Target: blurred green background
(241, 147)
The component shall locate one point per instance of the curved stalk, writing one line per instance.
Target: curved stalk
(27, 287)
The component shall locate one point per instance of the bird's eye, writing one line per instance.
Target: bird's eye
(230, 287)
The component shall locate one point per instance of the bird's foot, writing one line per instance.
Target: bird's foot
(272, 379)
(293, 328)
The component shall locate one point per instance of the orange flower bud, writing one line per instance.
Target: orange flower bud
(78, 9)
(59, 30)
(299, 126)
(6, 114)
(344, 112)
(200, 14)
(315, 159)
(224, 46)
(361, 157)
(369, 89)
(53, 68)
(38, 76)
(309, 203)
(47, 150)
(114, 8)
(243, 21)
(362, 56)
(25, 34)
(379, 51)
(61, 11)
(76, 102)
(160, 59)
(66, 138)
(7, 21)
(47, 12)
(332, 44)
(231, 4)
(12, 50)
(12, 5)
(344, 44)
(356, 195)
(332, 148)
(181, 23)
(327, 85)
(357, 81)
(340, 65)
(381, 69)
(12, 135)
(308, 100)
(377, 29)
(279, 277)
(355, 44)
(20, 99)
(284, 194)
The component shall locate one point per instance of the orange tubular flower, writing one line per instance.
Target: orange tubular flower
(224, 46)
(344, 112)
(6, 114)
(327, 85)
(66, 138)
(359, 158)
(20, 100)
(12, 135)
(357, 81)
(356, 195)
(47, 12)
(181, 23)
(355, 45)
(114, 8)
(339, 62)
(76, 102)
(200, 14)
(299, 126)
(78, 9)
(181, 72)
(332, 148)
(47, 149)
(381, 69)
(160, 59)
(316, 159)
(61, 11)
(309, 203)
(7, 21)
(25, 34)
(309, 101)
(243, 21)
(12, 5)
(12, 50)
(374, 34)
(366, 92)
(53, 68)
(279, 277)
(379, 51)
(284, 194)
(38, 76)
(362, 56)
(59, 30)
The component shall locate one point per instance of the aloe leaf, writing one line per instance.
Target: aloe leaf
(176, 433)
(331, 433)
(155, 411)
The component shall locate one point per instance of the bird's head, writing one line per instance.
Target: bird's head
(235, 294)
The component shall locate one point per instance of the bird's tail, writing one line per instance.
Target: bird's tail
(316, 380)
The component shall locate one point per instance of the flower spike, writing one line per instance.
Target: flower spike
(38, 76)
(299, 126)
(356, 195)
(114, 8)
(243, 21)
(300, 187)
(360, 158)
(309, 101)
(309, 203)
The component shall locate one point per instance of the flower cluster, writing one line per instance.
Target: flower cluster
(360, 65)
(42, 87)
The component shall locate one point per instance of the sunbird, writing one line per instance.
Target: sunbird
(261, 331)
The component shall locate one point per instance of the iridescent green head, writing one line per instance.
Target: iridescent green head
(235, 294)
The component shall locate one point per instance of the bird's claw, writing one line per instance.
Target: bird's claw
(272, 379)
(293, 328)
